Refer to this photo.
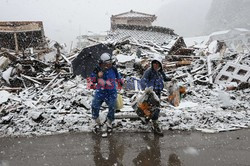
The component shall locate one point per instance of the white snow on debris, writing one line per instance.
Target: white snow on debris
(67, 108)
(124, 58)
(186, 104)
(212, 48)
(7, 74)
(198, 42)
(170, 44)
(225, 99)
(49, 57)
(4, 96)
(156, 57)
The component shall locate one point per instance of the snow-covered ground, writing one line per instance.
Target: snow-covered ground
(67, 108)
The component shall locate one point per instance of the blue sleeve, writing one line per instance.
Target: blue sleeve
(119, 79)
(145, 79)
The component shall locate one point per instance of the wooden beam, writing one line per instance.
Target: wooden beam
(16, 42)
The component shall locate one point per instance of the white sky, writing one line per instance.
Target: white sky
(65, 19)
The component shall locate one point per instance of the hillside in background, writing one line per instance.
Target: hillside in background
(187, 18)
(227, 14)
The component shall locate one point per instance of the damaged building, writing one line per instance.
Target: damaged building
(132, 18)
(162, 39)
(136, 27)
(25, 54)
(236, 39)
(19, 35)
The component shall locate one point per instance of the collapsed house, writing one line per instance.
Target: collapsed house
(159, 38)
(237, 39)
(26, 58)
(137, 28)
(216, 47)
(20, 35)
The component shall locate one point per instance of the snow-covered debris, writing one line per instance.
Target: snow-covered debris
(225, 99)
(4, 96)
(35, 115)
(46, 98)
(233, 72)
(213, 47)
(60, 110)
(124, 58)
(197, 42)
(7, 74)
(187, 104)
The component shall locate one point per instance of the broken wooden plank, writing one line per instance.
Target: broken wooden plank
(184, 56)
(209, 68)
(183, 63)
(9, 56)
(57, 82)
(29, 78)
(155, 50)
(46, 88)
(49, 83)
(73, 56)
(11, 88)
(66, 59)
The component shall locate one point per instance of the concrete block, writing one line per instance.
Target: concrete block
(233, 72)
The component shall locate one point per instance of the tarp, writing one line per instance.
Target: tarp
(88, 58)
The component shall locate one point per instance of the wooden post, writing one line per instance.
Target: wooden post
(209, 68)
(16, 42)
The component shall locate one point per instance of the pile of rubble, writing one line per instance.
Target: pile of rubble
(41, 95)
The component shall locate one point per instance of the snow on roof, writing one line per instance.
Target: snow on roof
(132, 13)
(171, 44)
(139, 35)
